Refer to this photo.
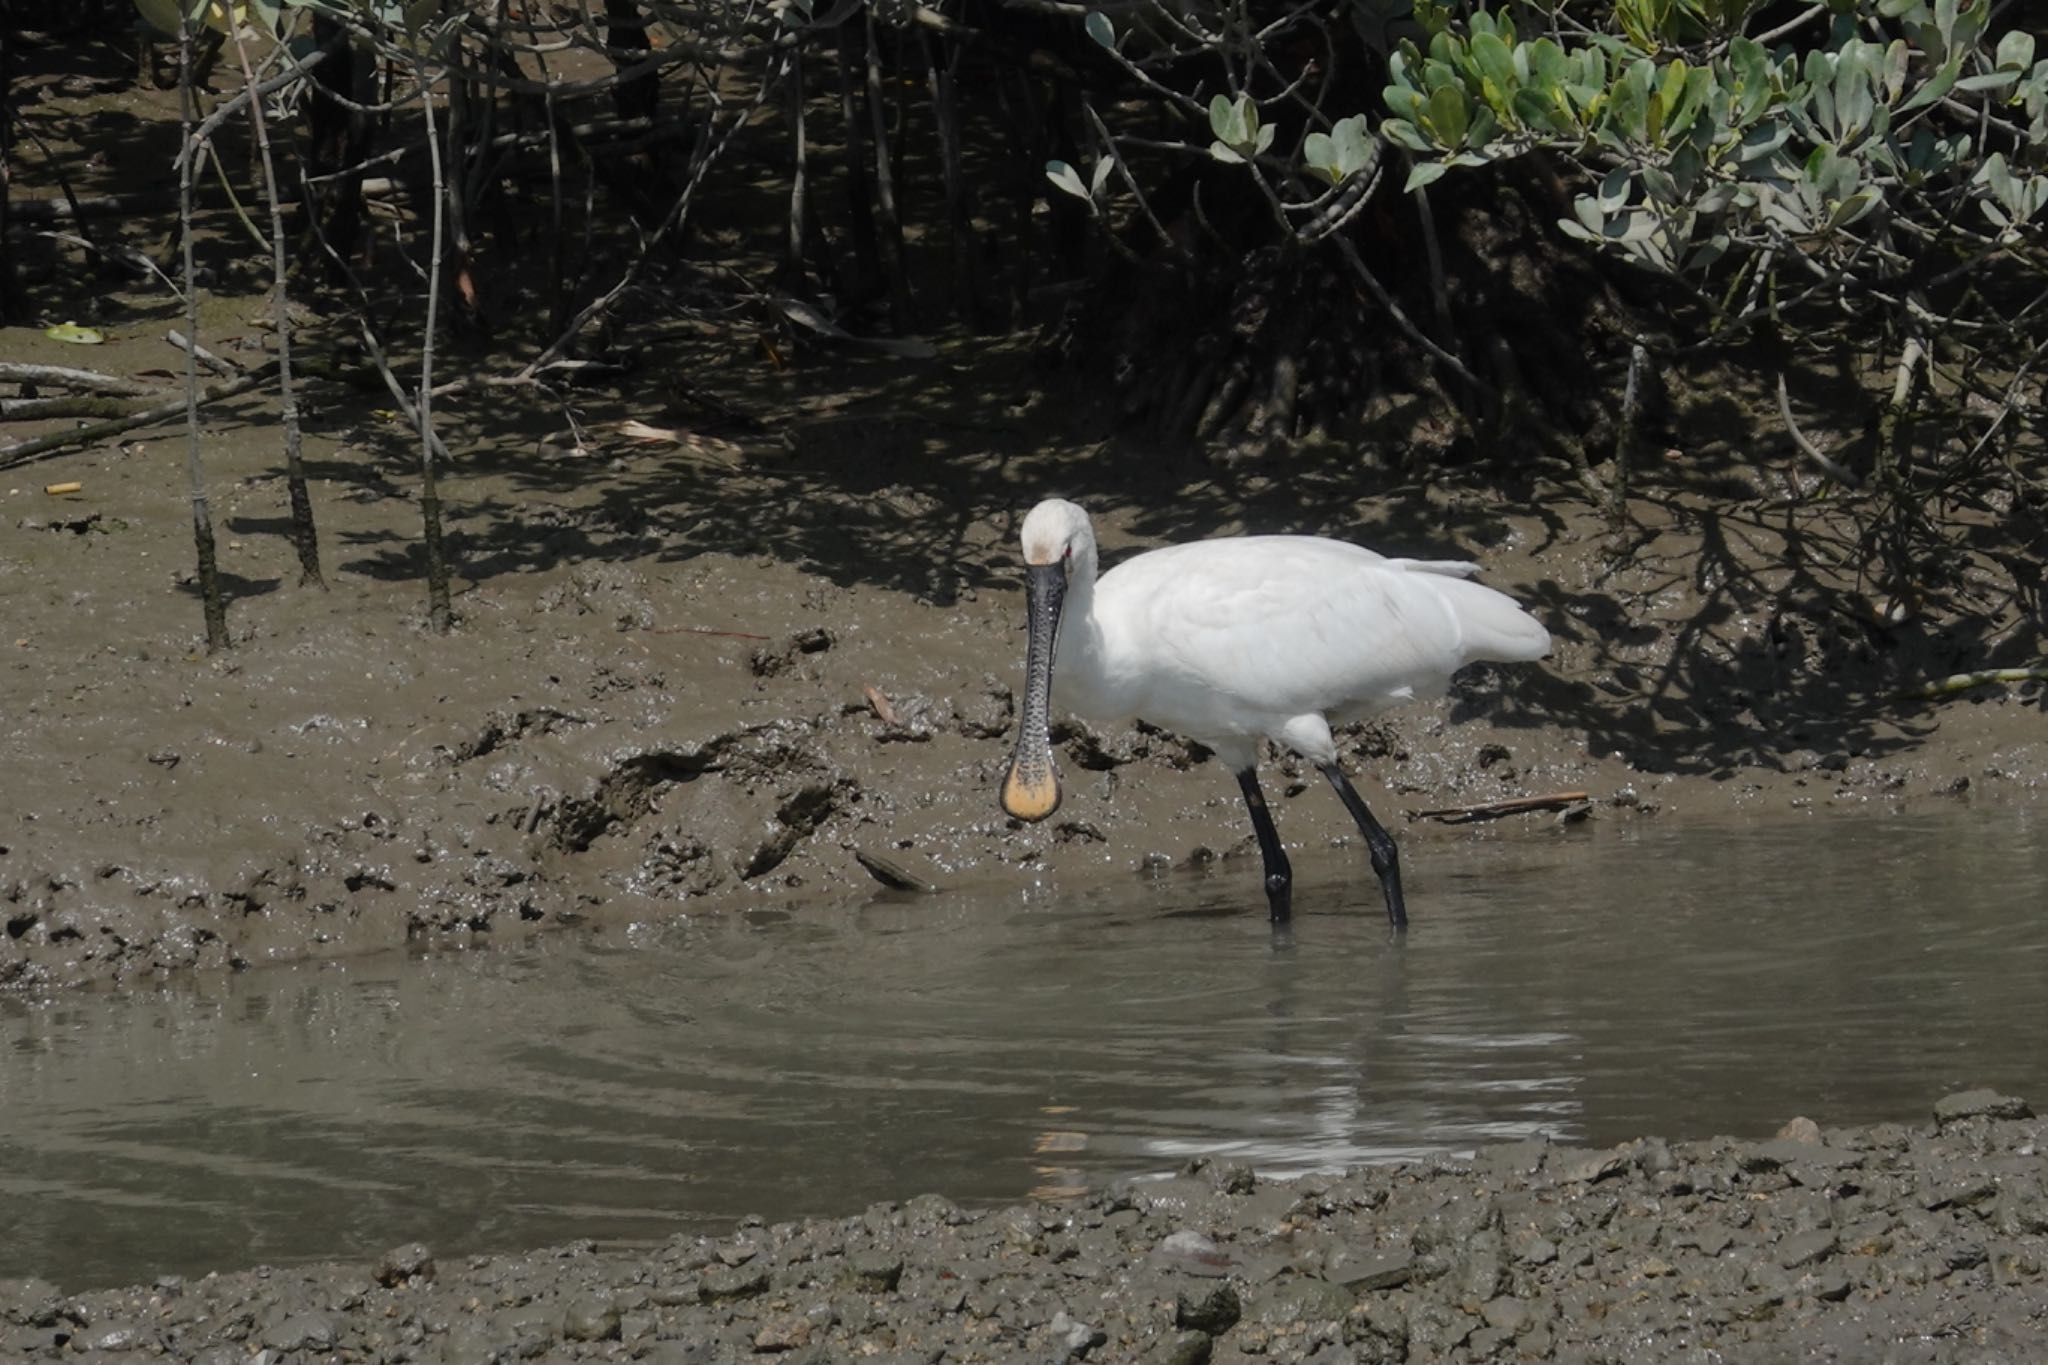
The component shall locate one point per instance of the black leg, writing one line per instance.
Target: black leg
(1279, 874)
(1386, 859)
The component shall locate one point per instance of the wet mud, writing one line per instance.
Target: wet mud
(1921, 1243)
(779, 669)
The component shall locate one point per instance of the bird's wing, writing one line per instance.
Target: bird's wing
(1291, 624)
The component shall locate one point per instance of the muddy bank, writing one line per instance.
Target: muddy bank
(725, 672)
(1890, 1243)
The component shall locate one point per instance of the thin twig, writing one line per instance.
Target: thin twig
(1807, 448)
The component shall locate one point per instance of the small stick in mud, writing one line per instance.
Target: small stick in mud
(1494, 810)
(1963, 682)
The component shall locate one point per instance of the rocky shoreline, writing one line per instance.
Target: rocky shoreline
(1920, 1243)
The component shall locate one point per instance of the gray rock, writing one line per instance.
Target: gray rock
(784, 1332)
(31, 1302)
(1214, 1313)
(875, 1271)
(1298, 1299)
(1807, 1249)
(1801, 1129)
(1074, 1337)
(302, 1332)
(591, 1318)
(734, 1282)
(1532, 1248)
(1182, 1348)
(1974, 1104)
(112, 1336)
(1369, 1271)
(410, 1262)
(1506, 1314)
(1193, 1254)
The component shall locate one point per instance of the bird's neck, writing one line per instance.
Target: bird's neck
(1084, 681)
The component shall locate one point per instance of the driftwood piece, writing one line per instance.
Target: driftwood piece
(65, 405)
(65, 377)
(1494, 810)
(201, 354)
(59, 441)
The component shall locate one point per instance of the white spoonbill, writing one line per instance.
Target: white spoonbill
(1235, 641)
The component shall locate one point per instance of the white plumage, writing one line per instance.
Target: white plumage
(1234, 641)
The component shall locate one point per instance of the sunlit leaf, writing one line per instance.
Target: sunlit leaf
(1066, 178)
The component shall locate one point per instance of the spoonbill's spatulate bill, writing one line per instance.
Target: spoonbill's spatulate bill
(1235, 641)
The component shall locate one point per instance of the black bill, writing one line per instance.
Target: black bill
(1031, 791)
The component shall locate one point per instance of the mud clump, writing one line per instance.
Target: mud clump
(1924, 1243)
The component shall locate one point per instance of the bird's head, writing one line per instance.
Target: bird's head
(1058, 533)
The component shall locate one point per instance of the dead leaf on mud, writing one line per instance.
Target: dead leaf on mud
(883, 709)
(633, 429)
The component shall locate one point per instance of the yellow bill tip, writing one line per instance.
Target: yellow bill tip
(1030, 798)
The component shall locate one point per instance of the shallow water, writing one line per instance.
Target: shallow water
(1673, 979)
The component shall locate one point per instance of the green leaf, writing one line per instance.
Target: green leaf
(74, 334)
(1945, 20)
(1406, 102)
(1100, 29)
(1539, 112)
(1319, 150)
(1402, 133)
(1897, 58)
(2016, 51)
(1494, 61)
(1935, 88)
(1854, 103)
(1764, 139)
(1548, 65)
(1854, 207)
(1424, 173)
(1224, 121)
(1448, 116)
(1614, 190)
(1752, 70)
(1993, 80)
(1355, 147)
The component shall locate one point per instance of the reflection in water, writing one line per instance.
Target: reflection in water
(1675, 979)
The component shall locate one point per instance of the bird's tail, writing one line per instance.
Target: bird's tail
(1493, 625)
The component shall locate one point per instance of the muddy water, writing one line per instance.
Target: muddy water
(1676, 980)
